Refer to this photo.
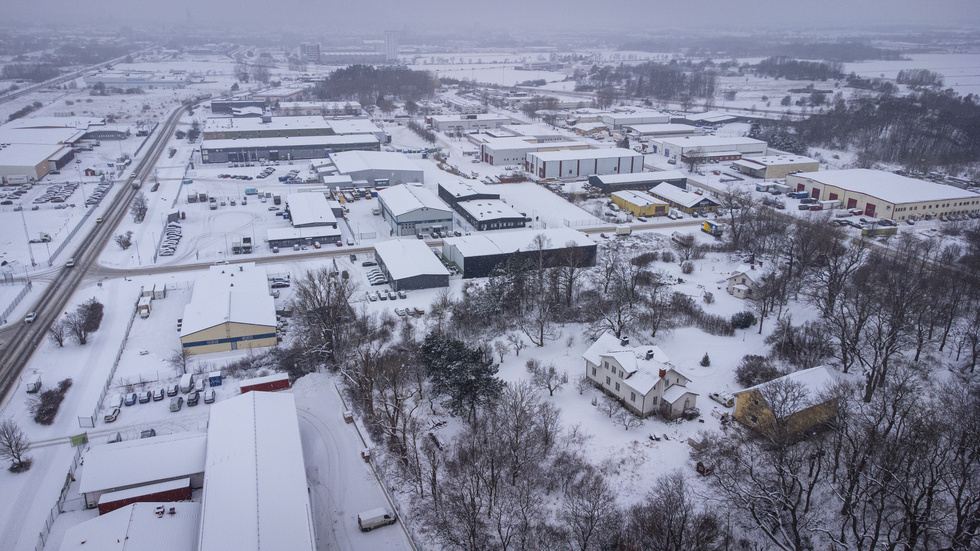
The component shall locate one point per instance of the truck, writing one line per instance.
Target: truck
(251, 191)
(202, 196)
(136, 183)
(798, 195)
(712, 228)
(187, 383)
(829, 204)
(192, 197)
(246, 245)
(213, 203)
(624, 230)
(277, 199)
(41, 238)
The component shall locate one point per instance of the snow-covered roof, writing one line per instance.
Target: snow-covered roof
(749, 272)
(642, 363)
(403, 199)
(28, 154)
(500, 144)
(677, 195)
(711, 141)
(624, 118)
(309, 209)
(357, 161)
(712, 117)
(490, 244)
(315, 233)
(476, 117)
(256, 124)
(590, 126)
(676, 392)
(532, 130)
(580, 154)
(137, 526)
(664, 128)
(637, 198)
(774, 160)
(366, 140)
(813, 381)
(459, 188)
(81, 123)
(121, 495)
(641, 177)
(229, 293)
(143, 460)
(255, 493)
(406, 258)
(354, 126)
(489, 209)
(887, 186)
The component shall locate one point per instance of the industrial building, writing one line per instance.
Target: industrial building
(490, 214)
(711, 118)
(609, 183)
(709, 148)
(776, 166)
(669, 130)
(639, 203)
(885, 195)
(617, 121)
(232, 128)
(478, 255)
(581, 163)
(307, 210)
(230, 309)
(376, 168)
(458, 190)
(283, 93)
(683, 199)
(319, 108)
(410, 264)
(255, 475)
(539, 133)
(142, 462)
(138, 526)
(227, 106)
(287, 237)
(513, 151)
(414, 210)
(33, 161)
(283, 149)
(134, 79)
(467, 123)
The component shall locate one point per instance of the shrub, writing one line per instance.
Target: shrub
(743, 320)
(667, 256)
(753, 370)
(687, 267)
(709, 298)
(48, 402)
(705, 361)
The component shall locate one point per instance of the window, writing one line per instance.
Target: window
(754, 419)
(756, 402)
(605, 364)
(620, 373)
(617, 387)
(593, 372)
(632, 396)
(654, 400)
(608, 381)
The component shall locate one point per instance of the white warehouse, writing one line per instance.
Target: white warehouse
(712, 148)
(582, 163)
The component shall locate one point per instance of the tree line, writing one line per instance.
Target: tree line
(364, 83)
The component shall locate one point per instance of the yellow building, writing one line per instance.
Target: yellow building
(885, 195)
(639, 203)
(231, 309)
(788, 405)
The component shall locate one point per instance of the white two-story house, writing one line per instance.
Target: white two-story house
(642, 378)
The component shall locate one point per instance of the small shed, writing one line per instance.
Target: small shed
(277, 381)
(174, 490)
(143, 307)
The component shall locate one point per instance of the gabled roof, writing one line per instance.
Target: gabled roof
(814, 381)
(229, 294)
(132, 462)
(137, 526)
(403, 199)
(643, 372)
(676, 392)
(677, 195)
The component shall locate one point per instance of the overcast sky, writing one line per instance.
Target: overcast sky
(435, 15)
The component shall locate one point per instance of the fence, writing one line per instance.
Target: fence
(13, 304)
(587, 222)
(60, 505)
(115, 364)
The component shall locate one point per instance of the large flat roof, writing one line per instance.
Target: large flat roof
(406, 258)
(356, 161)
(255, 492)
(640, 177)
(887, 186)
(309, 209)
(477, 117)
(637, 197)
(711, 117)
(403, 198)
(140, 461)
(489, 209)
(511, 241)
(711, 141)
(27, 154)
(353, 126)
(662, 128)
(774, 160)
(137, 526)
(293, 141)
(578, 154)
(459, 188)
(645, 114)
(255, 124)
(236, 293)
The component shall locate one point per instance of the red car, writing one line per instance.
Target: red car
(340, 243)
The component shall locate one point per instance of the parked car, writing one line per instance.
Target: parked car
(148, 433)
(402, 294)
(130, 399)
(113, 438)
(369, 520)
(724, 399)
(158, 394)
(145, 397)
(209, 396)
(371, 296)
(392, 295)
(369, 263)
(176, 402)
(112, 415)
(173, 390)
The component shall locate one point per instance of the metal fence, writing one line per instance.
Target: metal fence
(115, 364)
(13, 304)
(63, 502)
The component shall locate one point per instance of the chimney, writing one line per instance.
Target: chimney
(650, 354)
(663, 373)
(760, 263)
(624, 341)
(753, 266)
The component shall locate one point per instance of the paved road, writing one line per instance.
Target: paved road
(63, 78)
(23, 339)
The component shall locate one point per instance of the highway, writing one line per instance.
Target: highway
(23, 339)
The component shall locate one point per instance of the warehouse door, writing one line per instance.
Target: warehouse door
(800, 187)
(869, 210)
(852, 203)
(815, 193)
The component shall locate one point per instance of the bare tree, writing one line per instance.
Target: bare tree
(546, 376)
(501, 348)
(13, 445)
(517, 342)
(178, 360)
(59, 332)
(628, 420)
(609, 406)
(670, 519)
(736, 208)
(139, 207)
(590, 511)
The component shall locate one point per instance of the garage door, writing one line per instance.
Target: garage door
(852, 203)
(815, 193)
(869, 210)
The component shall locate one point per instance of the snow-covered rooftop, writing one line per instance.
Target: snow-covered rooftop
(529, 143)
(406, 258)
(813, 381)
(489, 209)
(27, 154)
(774, 160)
(353, 126)
(80, 123)
(256, 124)
(403, 198)
(887, 186)
(459, 188)
(309, 209)
(663, 128)
(477, 117)
(643, 371)
(712, 117)
(711, 141)
(143, 460)
(487, 244)
(637, 198)
(327, 233)
(121, 495)
(532, 130)
(229, 293)
(677, 195)
(364, 140)
(579, 154)
(636, 177)
(355, 161)
(138, 526)
(676, 392)
(255, 491)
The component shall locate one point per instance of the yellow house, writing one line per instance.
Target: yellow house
(231, 309)
(788, 405)
(639, 203)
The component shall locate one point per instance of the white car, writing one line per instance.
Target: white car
(30, 317)
(722, 398)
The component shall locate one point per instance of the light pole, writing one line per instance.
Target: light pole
(28, 235)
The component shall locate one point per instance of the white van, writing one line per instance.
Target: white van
(116, 402)
(368, 520)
